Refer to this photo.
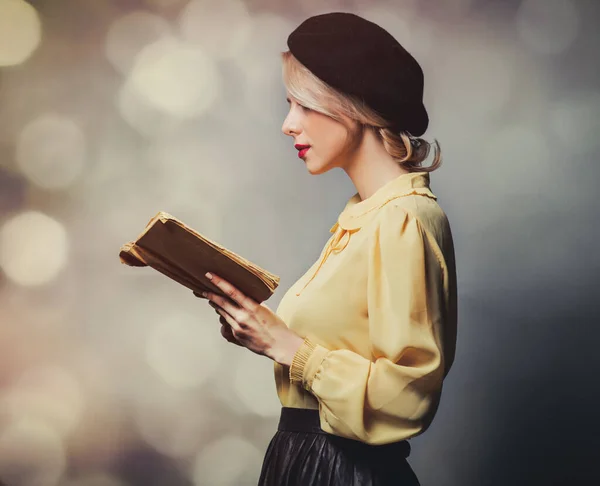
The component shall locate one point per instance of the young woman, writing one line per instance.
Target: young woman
(362, 341)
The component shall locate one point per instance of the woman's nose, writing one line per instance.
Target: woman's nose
(290, 126)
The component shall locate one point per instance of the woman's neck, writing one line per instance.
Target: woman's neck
(371, 166)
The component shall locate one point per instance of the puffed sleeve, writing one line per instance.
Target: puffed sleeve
(394, 395)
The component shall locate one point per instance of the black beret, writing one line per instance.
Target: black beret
(360, 58)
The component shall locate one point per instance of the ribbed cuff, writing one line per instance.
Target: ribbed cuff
(300, 359)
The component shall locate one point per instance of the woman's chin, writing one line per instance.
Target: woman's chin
(317, 171)
(314, 167)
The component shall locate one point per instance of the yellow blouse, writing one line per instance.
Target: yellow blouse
(378, 311)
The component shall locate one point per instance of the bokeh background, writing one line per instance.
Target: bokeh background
(112, 110)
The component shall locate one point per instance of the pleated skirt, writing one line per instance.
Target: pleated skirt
(302, 454)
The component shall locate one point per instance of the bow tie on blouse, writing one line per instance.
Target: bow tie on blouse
(357, 212)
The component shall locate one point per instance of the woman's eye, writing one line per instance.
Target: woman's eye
(305, 108)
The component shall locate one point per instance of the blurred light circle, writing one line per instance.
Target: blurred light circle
(141, 114)
(316, 7)
(33, 248)
(187, 164)
(176, 78)
(183, 350)
(129, 34)
(223, 389)
(172, 423)
(575, 121)
(253, 385)
(221, 27)
(20, 31)
(165, 3)
(51, 151)
(416, 35)
(49, 393)
(230, 461)
(547, 26)
(260, 57)
(400, 26)
(260, 64)
(31, 454)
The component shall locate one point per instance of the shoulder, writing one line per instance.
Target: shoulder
(421, 222)
(392, 222)
(420, 210)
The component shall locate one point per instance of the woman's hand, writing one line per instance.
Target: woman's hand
(247, 323)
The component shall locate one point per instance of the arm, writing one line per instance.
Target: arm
(395, 395)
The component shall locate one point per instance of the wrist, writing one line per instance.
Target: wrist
(289, 347)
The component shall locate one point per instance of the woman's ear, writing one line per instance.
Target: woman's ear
(356, 132)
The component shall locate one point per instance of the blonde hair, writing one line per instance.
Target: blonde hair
(312, 92)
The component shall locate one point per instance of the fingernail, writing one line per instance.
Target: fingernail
(204, 294)
(209, 275)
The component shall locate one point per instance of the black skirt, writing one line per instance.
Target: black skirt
(302, 454)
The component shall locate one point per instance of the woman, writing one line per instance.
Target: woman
(363, 340)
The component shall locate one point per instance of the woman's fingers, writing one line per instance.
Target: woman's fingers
(227, 333)
(239, 299)
(226, 330)
(229, 307)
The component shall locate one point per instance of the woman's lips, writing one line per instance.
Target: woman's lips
(302, 152)
(302, 149)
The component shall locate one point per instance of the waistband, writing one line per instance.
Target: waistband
(300, 420)
(308, 421)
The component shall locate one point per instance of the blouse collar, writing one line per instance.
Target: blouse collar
(357, 212)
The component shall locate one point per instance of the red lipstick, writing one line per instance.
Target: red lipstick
(302, 149)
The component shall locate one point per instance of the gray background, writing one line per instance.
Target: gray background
(113, 110)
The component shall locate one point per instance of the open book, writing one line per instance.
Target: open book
(176, 250)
